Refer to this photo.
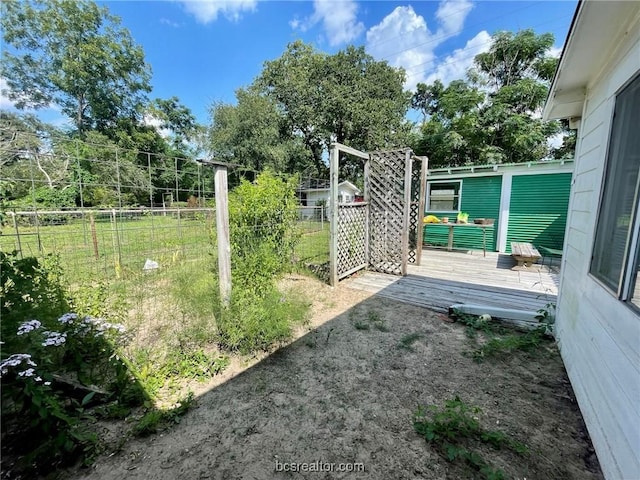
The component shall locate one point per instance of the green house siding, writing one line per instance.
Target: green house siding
(480, 199)
(538, 209)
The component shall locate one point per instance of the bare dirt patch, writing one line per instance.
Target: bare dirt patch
(345, 392)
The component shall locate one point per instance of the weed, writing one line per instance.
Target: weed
(155, 420)
(454, 429)
(373, 319)
(475, 324)
(311, 340)
(326, 342)
(498, 341)
(360, 325)
(547, 316)
(498, 346)
(407, 341)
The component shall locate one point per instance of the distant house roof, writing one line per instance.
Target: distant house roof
(345, 184)
(595, 34)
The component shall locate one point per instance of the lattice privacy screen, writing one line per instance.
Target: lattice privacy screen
(386, 210)
(352, 238)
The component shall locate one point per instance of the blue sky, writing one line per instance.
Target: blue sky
(202, 51)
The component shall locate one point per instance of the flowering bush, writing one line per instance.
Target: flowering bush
(47, 388)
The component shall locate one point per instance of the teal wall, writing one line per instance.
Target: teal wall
(480, 199)
(538, 209)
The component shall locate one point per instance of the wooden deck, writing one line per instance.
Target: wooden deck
(446, 278)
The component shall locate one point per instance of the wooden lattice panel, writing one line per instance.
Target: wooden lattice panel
(352, 238)
(415, 217)
(386, 210)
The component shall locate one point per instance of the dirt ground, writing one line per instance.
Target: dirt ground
(344, 392)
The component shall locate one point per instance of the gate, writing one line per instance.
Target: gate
(384, 232)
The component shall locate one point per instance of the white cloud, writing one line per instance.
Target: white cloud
(156, 123)
(555, 52)
(207, 11)
(5, 102)
(455, 65)
(404, 39)
(171, 23)
(339, 20)
(451, 15)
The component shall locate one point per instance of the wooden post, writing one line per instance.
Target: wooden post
(424, 163)
(333, 214)
(94, 236)
(367, 198)
(407, 212)
(222, 229)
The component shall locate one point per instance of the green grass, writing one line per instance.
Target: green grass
(313, 247)
(121, 248)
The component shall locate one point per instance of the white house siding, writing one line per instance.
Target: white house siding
(315, 196)
(599, 336)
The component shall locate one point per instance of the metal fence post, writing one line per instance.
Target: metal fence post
(15, 225)
(115, 237)
(222, 228)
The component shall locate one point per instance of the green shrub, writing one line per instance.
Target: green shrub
(262, 221)
(263, 230)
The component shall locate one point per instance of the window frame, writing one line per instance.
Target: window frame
(627, 279)
(428, 202)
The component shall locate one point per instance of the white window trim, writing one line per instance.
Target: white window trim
(431, 182)
(626, 285)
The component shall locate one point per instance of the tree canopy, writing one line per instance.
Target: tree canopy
(306, 99)
(75, 55)
(494, 116)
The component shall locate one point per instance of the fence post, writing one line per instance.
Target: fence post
(15, 225)
(115, 237)
(406, 212)
(222, 229)
(333, 213)
(424, 163)
(94, 236)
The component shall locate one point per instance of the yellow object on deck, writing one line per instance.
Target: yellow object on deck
(431, 219)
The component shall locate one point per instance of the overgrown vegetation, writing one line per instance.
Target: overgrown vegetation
(455, 432)
(263, 232)
(493, 340)
(56, 368)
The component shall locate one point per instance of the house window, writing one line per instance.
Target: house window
(616, 251)
(444, 196)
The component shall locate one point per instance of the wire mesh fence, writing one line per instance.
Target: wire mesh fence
(105, 244)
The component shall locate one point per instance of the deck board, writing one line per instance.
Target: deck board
(447, 278)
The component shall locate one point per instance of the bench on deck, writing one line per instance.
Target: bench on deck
(524, 253)
(549, 253)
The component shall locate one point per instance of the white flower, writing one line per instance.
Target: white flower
(47, 383)
(29, 326)
(54, 338)
(68, 318)
(29, 372)
(15, 360)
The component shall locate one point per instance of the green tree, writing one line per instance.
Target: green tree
(253, 133)
(73, 54)
(494, 117)
(348, 97)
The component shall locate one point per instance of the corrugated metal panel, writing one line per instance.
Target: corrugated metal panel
(538, 209)
(480, 199)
